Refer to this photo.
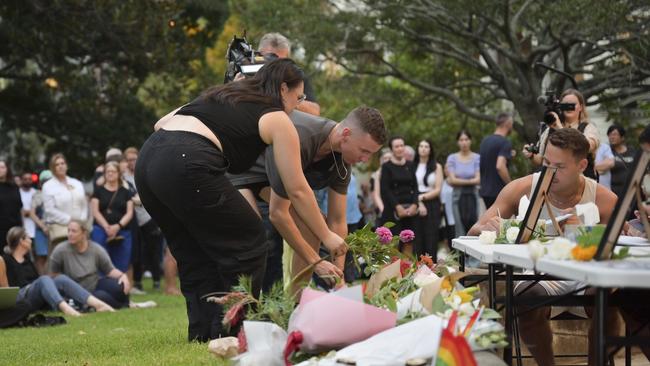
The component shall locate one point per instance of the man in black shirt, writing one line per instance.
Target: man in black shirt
(496, 152)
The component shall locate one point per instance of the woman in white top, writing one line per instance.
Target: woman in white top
(428, 174)
(64, 199)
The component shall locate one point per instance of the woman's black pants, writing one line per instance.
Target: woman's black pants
(212, 231)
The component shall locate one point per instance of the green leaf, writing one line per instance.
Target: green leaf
(389, 224)
(489, 313)
(439, 305)
(622, 254)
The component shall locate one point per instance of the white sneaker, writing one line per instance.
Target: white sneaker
(136, 291)
(143, 305)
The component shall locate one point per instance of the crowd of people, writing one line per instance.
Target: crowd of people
(74, 251)
(228, 178)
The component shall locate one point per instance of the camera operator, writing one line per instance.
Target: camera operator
(276, 43)
(576, 118)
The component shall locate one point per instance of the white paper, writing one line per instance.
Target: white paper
(354, 293)
(589, 212)
(410, 303)
(523, 207)
(632, 241)
(265, 344)
(417, 339)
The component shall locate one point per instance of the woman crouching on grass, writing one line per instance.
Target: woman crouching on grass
(42, 290)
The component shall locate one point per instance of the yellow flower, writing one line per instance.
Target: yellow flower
(584, 253)
(446, 284)
(464, 296)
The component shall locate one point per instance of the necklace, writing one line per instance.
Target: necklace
(338, 171)
(570, 201)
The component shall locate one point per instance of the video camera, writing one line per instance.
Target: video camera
(242, 58)
(552, 103)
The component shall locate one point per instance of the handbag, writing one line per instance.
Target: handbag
(57, 232)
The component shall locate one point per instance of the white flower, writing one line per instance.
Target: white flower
(487, 237)
(511, 234)
(466, 309)
(560, 248)
(536, 250)
(425, 279)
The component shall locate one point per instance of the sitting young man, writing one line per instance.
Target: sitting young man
(327, 150)
(567, 152)
(84, 261)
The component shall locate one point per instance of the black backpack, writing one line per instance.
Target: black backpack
(16, 315)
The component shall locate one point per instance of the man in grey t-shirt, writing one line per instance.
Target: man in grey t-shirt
(327, 150)
(83, 261)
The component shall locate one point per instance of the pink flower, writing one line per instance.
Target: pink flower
(406, 236)
(384, 235)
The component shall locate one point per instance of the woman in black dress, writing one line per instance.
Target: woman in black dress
(399, 192)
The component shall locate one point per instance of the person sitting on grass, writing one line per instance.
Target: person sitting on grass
(85, 261)
(42, 290)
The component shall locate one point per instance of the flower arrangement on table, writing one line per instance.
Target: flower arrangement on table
(584, 248)
(509, 230)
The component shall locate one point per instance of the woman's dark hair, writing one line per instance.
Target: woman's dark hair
(463, 132)
(431, 163)
(394, 138)
(620, 129)
(9, 178)
(14, 236)
(264, 87)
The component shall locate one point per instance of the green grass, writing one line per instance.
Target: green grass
(156, 336)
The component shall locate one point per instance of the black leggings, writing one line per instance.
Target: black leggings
(211, 230)
(429, 229)
(111, 292)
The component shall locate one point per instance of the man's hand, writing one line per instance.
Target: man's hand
(572, 220)
(493, 224)
(124, 280)
(328, 272)
(336, 245)
(527, 153)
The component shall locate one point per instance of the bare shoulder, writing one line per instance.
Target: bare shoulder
(520, 186)
(275, 123)
(604, 197)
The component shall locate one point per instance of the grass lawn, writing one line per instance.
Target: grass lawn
(155, 336)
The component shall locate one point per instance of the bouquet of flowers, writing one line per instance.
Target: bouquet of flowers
(376, 249)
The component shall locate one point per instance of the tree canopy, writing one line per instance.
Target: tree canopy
(79, 76)
(474, 53)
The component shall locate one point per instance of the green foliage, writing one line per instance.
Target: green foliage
(462, 59)
(590, 236)
(365, 244)
(391, 291)
(276, 306)
(79, 74)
